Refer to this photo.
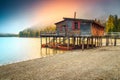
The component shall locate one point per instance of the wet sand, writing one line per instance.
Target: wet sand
(93, 64)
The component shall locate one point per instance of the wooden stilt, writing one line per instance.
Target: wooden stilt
(41, 41)
(80, 41)
(107, 41)
(46, 41)
(49, 40)
(53, 40)
(98, 41)
(115, 40)
(95, 42)
(83, 44)
(68, 45)
(56, 39)
(77, 40)
(92, 42)
(56, 42)
(63, 40)
(101, 41)
(74, 41)
(70, 40)
(59, 39)
(87, 42)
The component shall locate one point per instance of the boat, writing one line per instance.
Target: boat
(65, 47)
(44, 45)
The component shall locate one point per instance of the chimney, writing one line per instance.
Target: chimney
(74, 15)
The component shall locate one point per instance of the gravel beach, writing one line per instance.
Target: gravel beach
(92, 64)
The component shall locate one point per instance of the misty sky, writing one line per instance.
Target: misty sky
(16, 15)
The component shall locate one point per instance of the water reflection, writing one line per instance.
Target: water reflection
(14, 49)
(49, 52)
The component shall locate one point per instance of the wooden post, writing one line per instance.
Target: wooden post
(101, 41)
(83, 44)
(74, 41)
(49, 40)
(56, 42)
(98, 41)
(92, 42)
(59, 39)
(95, 42)
(46, 41)
(107, 41)
(41, 41)
(56, 39)
(115, 40)
(53, 40)
(79, 40)
(68, 45)
(70, 40)
(63, 40)
(87, 42)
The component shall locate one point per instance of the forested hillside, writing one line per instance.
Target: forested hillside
(35, 32)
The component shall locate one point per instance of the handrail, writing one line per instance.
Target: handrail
(67, 33)
(112, 34)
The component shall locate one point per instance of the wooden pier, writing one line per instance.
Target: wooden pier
(70, 41)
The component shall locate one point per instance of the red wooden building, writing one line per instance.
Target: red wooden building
(82, 27)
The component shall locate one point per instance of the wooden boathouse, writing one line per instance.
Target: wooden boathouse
(72, 33)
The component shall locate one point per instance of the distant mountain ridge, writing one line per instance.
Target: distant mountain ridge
(8, 35)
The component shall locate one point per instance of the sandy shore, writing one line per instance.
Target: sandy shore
(94, 64)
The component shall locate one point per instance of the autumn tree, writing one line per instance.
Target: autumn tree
(110, 24)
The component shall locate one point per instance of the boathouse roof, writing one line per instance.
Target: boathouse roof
(83, 20)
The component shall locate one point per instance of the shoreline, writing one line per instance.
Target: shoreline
(99, 63)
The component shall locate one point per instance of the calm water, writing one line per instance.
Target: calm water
(14, 49)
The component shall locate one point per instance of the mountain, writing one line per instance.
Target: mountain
(8, 35)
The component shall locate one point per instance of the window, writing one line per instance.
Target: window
(76, 25)
(64, 28)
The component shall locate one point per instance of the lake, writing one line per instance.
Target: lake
(15, 49)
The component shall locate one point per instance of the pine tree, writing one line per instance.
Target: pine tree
(115, 29)
(110, 24)
(118, 25)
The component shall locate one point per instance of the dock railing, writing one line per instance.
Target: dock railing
(113, 34)
(67, 33)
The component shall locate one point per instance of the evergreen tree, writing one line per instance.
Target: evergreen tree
(115, 29)
(118, 25)
(110, 24)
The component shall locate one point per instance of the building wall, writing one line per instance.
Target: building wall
(60, 28)
(84, 28)
(97, 30)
